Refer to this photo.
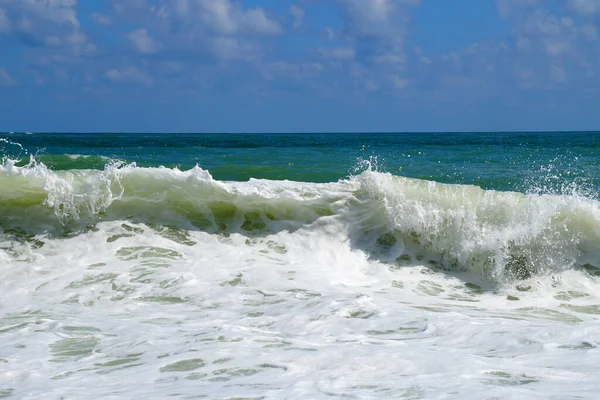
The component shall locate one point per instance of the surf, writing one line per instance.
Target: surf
(191, 281)
(398, 220)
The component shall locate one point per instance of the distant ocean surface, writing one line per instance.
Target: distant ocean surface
(296, 266)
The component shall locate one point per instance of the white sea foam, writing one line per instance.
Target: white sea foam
(134, 282)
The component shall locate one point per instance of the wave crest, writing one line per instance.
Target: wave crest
(494, 233)
(394, 219)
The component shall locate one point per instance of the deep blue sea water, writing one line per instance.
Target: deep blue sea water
(502, 161)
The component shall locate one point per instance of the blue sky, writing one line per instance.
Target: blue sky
(299, 65)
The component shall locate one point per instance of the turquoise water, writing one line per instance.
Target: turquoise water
(417, 266)
(501, 161)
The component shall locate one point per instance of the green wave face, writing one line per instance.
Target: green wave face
(38, 197)
(395, 219)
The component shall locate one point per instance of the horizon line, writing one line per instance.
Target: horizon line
(293, 133)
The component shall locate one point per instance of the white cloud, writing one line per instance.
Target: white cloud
(420, 57)
(508, 7)
(282, 69)
(378, 27)
(549, 44)
(128, 75)
(396, 57)
(369, 18)
(213, 29)
(230, 48)
(222, 17)
(541, 23)
(142, 42)
(567, 21)
(101, 19)
(6, 79)
(400, 83)
(525, 74)
(585, 7)
(557, 47)
(373, 10)
(57, 11)
(297, 14)
(376, 10)
(256, 20)
(537, 32)
(558, 74)
(48, 22)
(329, 33)
(589, 31)
(5, 24)
(338, 53)
(523, 44)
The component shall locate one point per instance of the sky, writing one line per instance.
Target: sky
(299, 65)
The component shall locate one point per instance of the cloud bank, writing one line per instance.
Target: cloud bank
(348, 54)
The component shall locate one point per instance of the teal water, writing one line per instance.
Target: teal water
(552, 161)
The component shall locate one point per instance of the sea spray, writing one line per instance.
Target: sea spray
(490, 233)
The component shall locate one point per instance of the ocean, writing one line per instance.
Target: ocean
(300, 266)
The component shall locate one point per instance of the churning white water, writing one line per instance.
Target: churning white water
(153, 283)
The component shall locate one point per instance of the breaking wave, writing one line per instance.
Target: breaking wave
(397, 220)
